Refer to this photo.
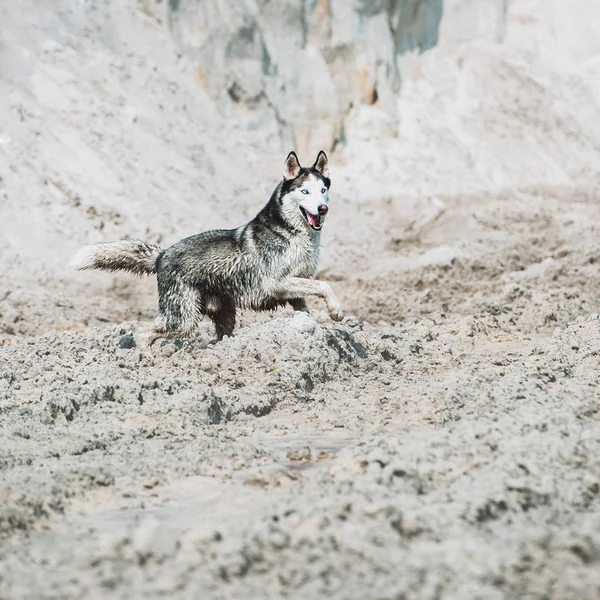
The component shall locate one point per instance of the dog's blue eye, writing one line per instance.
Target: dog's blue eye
(305, 191)
(323, 190)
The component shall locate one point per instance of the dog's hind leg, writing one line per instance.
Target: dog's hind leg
(179, 314)
(296, 287)
(146, 336)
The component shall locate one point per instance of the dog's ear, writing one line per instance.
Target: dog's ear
(322, 164)
(292, 166)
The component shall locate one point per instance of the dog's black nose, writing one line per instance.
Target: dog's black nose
(323, 208)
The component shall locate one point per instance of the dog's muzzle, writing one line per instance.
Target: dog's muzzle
(315, 221)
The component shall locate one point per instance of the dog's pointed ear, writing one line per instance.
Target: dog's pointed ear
(292, 166)
(322, 164)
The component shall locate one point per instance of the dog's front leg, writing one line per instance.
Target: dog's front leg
(297, 287)
(299, 304)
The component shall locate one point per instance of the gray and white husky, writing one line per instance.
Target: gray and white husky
(266, 263)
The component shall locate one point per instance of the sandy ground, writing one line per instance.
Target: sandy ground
(443, 441)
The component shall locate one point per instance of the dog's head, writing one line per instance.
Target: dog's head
(305, 191)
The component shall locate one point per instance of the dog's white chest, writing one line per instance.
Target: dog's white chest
(304, 257)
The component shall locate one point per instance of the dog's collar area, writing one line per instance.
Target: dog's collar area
(314, 221)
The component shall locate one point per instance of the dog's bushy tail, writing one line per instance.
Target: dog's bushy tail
(135, 256)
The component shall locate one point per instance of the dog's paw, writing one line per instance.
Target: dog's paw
(336, 311)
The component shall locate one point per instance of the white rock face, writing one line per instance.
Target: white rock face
(392, 79)
(297, 69)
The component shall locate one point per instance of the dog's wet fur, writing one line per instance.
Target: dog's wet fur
(264, 264)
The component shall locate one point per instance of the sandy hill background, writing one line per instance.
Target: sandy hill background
(442, 442)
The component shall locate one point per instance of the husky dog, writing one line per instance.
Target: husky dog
(266, 263)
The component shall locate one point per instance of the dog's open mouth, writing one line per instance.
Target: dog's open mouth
(315, 221)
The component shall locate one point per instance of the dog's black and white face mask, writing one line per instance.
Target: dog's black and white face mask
(306, 191)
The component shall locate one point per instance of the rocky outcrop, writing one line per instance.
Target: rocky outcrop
(293, 69)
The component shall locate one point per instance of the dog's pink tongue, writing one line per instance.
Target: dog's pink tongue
(312, 219)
